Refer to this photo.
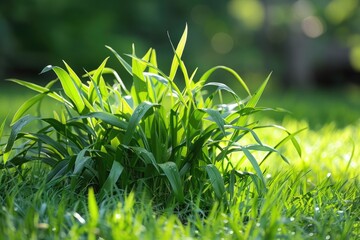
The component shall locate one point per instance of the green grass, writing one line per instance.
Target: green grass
(315, 197)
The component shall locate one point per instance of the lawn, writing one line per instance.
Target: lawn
(157, 162)
(316, 196)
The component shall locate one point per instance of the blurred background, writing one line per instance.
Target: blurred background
(312, 47)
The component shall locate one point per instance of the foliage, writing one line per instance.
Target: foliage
(305, 200)
(177, 145)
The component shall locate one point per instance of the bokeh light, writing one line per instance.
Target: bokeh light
(355, 57)
(222, 43)
(250, 13)
(338, 11)
(312, 26)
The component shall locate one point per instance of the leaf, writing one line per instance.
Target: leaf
(98, 84)
(2, 127)
(108, 118)
(25, 106)
(216, 117)
(16, 128)
(178, 53)
(112, 178)
(256, 97)
(146, 156)
(291, 136)
(208, 73)
(121, 60)
(139, 89)
(41, 89)
(135, 118)
(216, 180)
(52, 143)
(172, 173)
(81, 161)
(70, 88)
(93, 208)
(60, 170)
(255, 164)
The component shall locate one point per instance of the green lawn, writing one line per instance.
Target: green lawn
(316, 196)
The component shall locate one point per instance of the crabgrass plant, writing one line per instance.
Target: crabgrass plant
(176, 145)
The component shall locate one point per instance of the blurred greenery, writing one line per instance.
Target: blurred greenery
(304, 42)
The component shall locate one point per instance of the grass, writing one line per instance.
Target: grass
(315, 197)
(157, 162)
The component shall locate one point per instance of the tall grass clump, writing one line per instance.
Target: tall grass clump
(176, 145)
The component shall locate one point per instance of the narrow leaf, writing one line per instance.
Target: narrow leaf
(135, 118)
(93, 208)
(178, 53)
(172, 173)
(255, 164)
(109, 119)
(216, 117)
(25, 106)
(112, 178)
(81, 161)
(16, 128)
(256, 97)
(121, 60)
(70, 88)
(216, 180)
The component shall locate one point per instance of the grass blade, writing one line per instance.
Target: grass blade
(108, 118)
(172, 173)
(16, 128)
(216, 180)
(115, 172)
(26, 106)
(178, 53)
(121, 60)
(255, 164)
(216, 117)
(70, 88)
(135, 118)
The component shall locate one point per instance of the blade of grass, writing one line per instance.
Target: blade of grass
(216, 180)
(172, 173)
(135, 118)
(178, 53)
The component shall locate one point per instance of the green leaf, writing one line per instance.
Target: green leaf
(16, 128)
(121, 60)
(81, 161)
(208, 73)
(41, 89)
(26, 105)
(256, 97)
(70, 88)
(2, 127)
(98, 84)
(178, 53)
(216, 117)
(216, 180)
(108, 118)
(73, 75)
(146, 156)
(255, 164)
(93, 208)
(135, 118)
(60, 170)
(52, 143)
(291, 136)
(112, 178)
(172, 173)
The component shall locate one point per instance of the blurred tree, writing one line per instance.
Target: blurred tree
(300, 41)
